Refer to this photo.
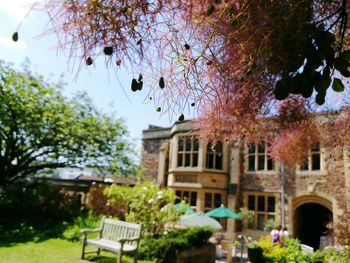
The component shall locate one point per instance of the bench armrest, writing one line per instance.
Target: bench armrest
(123, 240)
(86, 230)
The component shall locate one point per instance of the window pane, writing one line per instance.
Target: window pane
(185, 196)
(271, 204)
(261, 148)
(261, 203)
(251, 148)
(187, 159)
(181, 145)
(179, 160)
(219, 147)
(210, 161)
(251, 202)
(218, 162)
(261, 162)
(316, 162)
(208, 198)
(195, 160)
(217, 200)
(188, 144)
(193, 201)
(251, 163)
(270, 164)
(195, 144)
(261, 221)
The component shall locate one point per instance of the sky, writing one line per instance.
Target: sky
(109, 93)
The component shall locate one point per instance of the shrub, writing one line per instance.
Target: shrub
(146, 203)
(72, 232)
(329, 255)
(37, 207)
(163, 247)
(100, 205)
(291, 253)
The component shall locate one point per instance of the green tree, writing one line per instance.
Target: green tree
(42, 129)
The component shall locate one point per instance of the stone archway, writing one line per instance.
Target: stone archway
(311, 215)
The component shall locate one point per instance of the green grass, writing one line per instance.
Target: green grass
(53, 251)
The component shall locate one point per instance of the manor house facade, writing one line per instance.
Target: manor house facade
(243, 175)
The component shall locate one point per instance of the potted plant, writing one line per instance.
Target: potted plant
(255, 252)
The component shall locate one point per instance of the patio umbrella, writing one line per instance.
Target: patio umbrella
(199, 220)
(222, 212)
(184, 207)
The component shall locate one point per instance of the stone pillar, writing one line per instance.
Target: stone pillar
(162, 165)
(234, 172)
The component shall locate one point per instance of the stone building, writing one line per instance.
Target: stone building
(206, 175)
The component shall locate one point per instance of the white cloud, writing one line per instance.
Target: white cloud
(9, 43)
(17, 8)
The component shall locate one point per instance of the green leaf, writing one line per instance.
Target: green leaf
(337, 85)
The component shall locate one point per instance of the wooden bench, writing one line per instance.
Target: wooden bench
(115, 236)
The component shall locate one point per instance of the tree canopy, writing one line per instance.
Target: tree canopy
(232, 61)
(40, 128)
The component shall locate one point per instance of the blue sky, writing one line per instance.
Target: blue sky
(102, 85)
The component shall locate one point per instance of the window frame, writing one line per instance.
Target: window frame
(256, 154)
(216, 155)
(189, 198)
(212, 201)
(266, 213)
(192, 153)
(311, 154)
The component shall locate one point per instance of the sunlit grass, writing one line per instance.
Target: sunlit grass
(53, 251)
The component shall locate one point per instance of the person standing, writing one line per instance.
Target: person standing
(275, 235)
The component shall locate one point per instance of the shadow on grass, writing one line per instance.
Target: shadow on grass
(12, 236)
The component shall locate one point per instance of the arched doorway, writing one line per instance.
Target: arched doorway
(310, 223)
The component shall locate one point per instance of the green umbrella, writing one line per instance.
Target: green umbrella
(184, 207)
(222, 212)
(199, 220)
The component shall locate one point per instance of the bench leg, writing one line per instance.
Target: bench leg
(135, 258)
(98, 252)
(119, 257)
(83, 251)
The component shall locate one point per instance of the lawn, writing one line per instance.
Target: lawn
(52, 251)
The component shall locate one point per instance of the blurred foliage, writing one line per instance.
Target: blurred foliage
(163, 247)
(145, 203)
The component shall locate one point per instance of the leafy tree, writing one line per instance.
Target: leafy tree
(41, 129)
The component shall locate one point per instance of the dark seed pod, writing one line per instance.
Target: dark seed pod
(134, 85)
(118, 62)
(139, 42)
(158, 109)
(15, 36)
(161, 83)
(108, 51)
(187, 46)
(181, 117)
(140, 77)
(192, 104)
(209, 62)
(89, 61)
(139, 85)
